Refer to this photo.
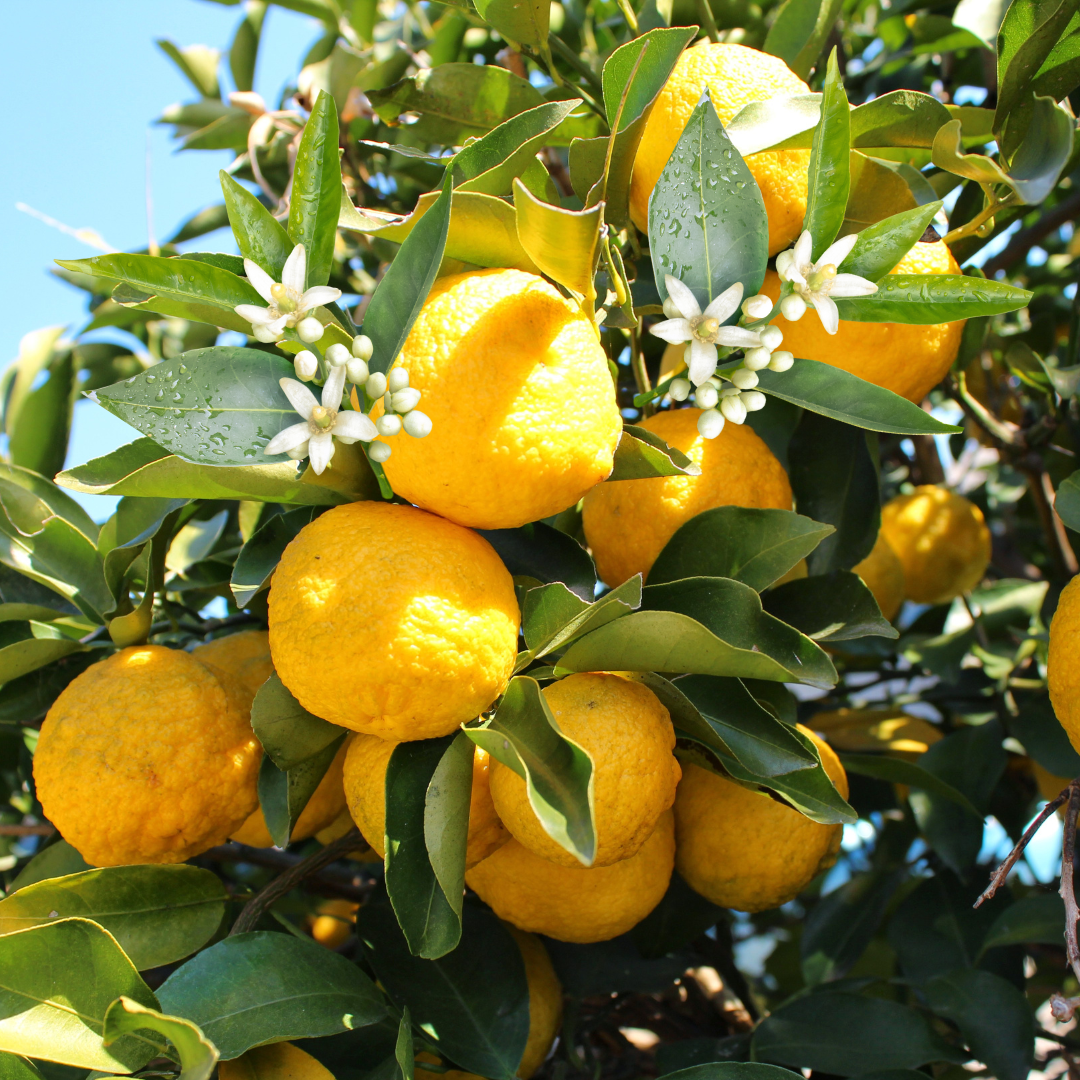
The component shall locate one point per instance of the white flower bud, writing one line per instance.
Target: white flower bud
(680, 389)
(378, 451)
(771, 337)
(362, 347)
(406, 400)
(306, 364)
(753, 400)
(709, 424)
(671, 309)
(781, 361)
(264, 334)
(309, 329)
(417, 424)
(784, 263)
(388, 424)
(731, 391)
(743, 379)
(706, 396)
(356, 371)
(756, 359)
(793, 307)
(733, 409)
(397, 379)
(375, 386)
(337, 355)
(757, 307)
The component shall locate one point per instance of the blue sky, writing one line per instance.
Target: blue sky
(90, 83)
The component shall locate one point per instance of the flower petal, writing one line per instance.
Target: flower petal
(702, 361)
(257, 316)
(278, 324)
(260, 279)
(288, 439)
(738, 338)
(673, 331)
(851, 285)
(298, 453)
(839, 250)
(300, 397)
(320, 451)
(335, 384)
(803, 250)
(684, 299)
(354, 426)
(726, 304)
(827, 312)
(294, 273)
(319, 295)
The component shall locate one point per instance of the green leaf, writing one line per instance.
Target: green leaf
(707, 223)
(428, 787)
(779, 122)
(1067, 501)
(524, 735)
(56, 860)
(226, 991)
(525, 23)
(41, 644)
(642, 454)
(13, 1067)
(1038, 919)
(829, 179)
(472, 1004)
(895, 770)
(288, 733)
(552, 616)
(756, 547)
(315, 194)
(259, 235)
(56, 984)
(147, 470)
(848, 1034)
(882, 245)
(194, 542)
(838, 394)
(994, 1018)
(244, 50)
(799, 30)
(933, 298)
(197, 1055)
(198, 63)
(1044, 739)
(836, 606)
(259, 557)
(401, 293)
(703, 625)
(731, 1070)
(676, 921)
(545, 554)
(157, 914)
(185, 287)
(283, 794)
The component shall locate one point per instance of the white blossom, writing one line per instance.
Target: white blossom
(818, 282)
(288, 302)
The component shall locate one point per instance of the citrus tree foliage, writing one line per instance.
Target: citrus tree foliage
(421, 139)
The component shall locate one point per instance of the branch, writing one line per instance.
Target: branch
(1068, 860)
(1027, 238)
(27, 830)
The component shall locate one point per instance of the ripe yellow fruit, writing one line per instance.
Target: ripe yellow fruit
(391, 621)
(941, 541)
(628, 523)
(735, 76)
(744, 850)
(245, 655)
(523, 411)
(148, 757)
(906, 358)
(333, 922)
(277, 1061)
(365, 790)
(579, 905)
(888, 730)
(1049, 785)
(628, 734)
(323, 808)
(342, 824)
(883, 573)
(1062, 668)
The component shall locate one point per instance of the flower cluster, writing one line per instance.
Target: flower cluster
(288, 302)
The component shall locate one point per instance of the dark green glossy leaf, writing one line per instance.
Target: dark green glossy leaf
(259, 557)
(897, 770)
(882, 245)
(284, 794)
(13, 1067)
(842, 396)
(1038, 919)
(756, 547)
(707, 224)
(288, 733)
(267, 987)
(732, 1070)
(259, 235)
(552, 616)
(315, 195)
(642, 454)
(197, 1055)
(1036, 726)
(933, 298)
(829, 178)
(676, 921)
(603, 968)
(799, 30)
(836, 606)
(546, 554)
(525, 737)
(157, 914)
(428, 786)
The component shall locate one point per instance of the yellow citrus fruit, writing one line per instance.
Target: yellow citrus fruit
(523, 412)
(883, 573)
(941, 541)
(627, 523)
(1062, 668)
(277, 1061)
(333, 922)
(391, 621)
(342, 824)
(576, 904)
(148, 757)
(906, 358)
(1049, 785)
(743, 849)
(627, 732)
(735, 76)
(888, 730)
(245, 654)
(323, 808)
(365, 790)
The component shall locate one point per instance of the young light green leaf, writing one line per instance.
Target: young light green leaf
(799, 30)
(316, 190)
(642, 454)
(829, 179)
(288, 733)
(198, 63)
(836, 606)
(524, 735)
(259, 235)
(524, 22)
(198, 1055)
(881, 246)
(283, 794)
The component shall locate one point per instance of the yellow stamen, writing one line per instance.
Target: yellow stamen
(285, 303)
